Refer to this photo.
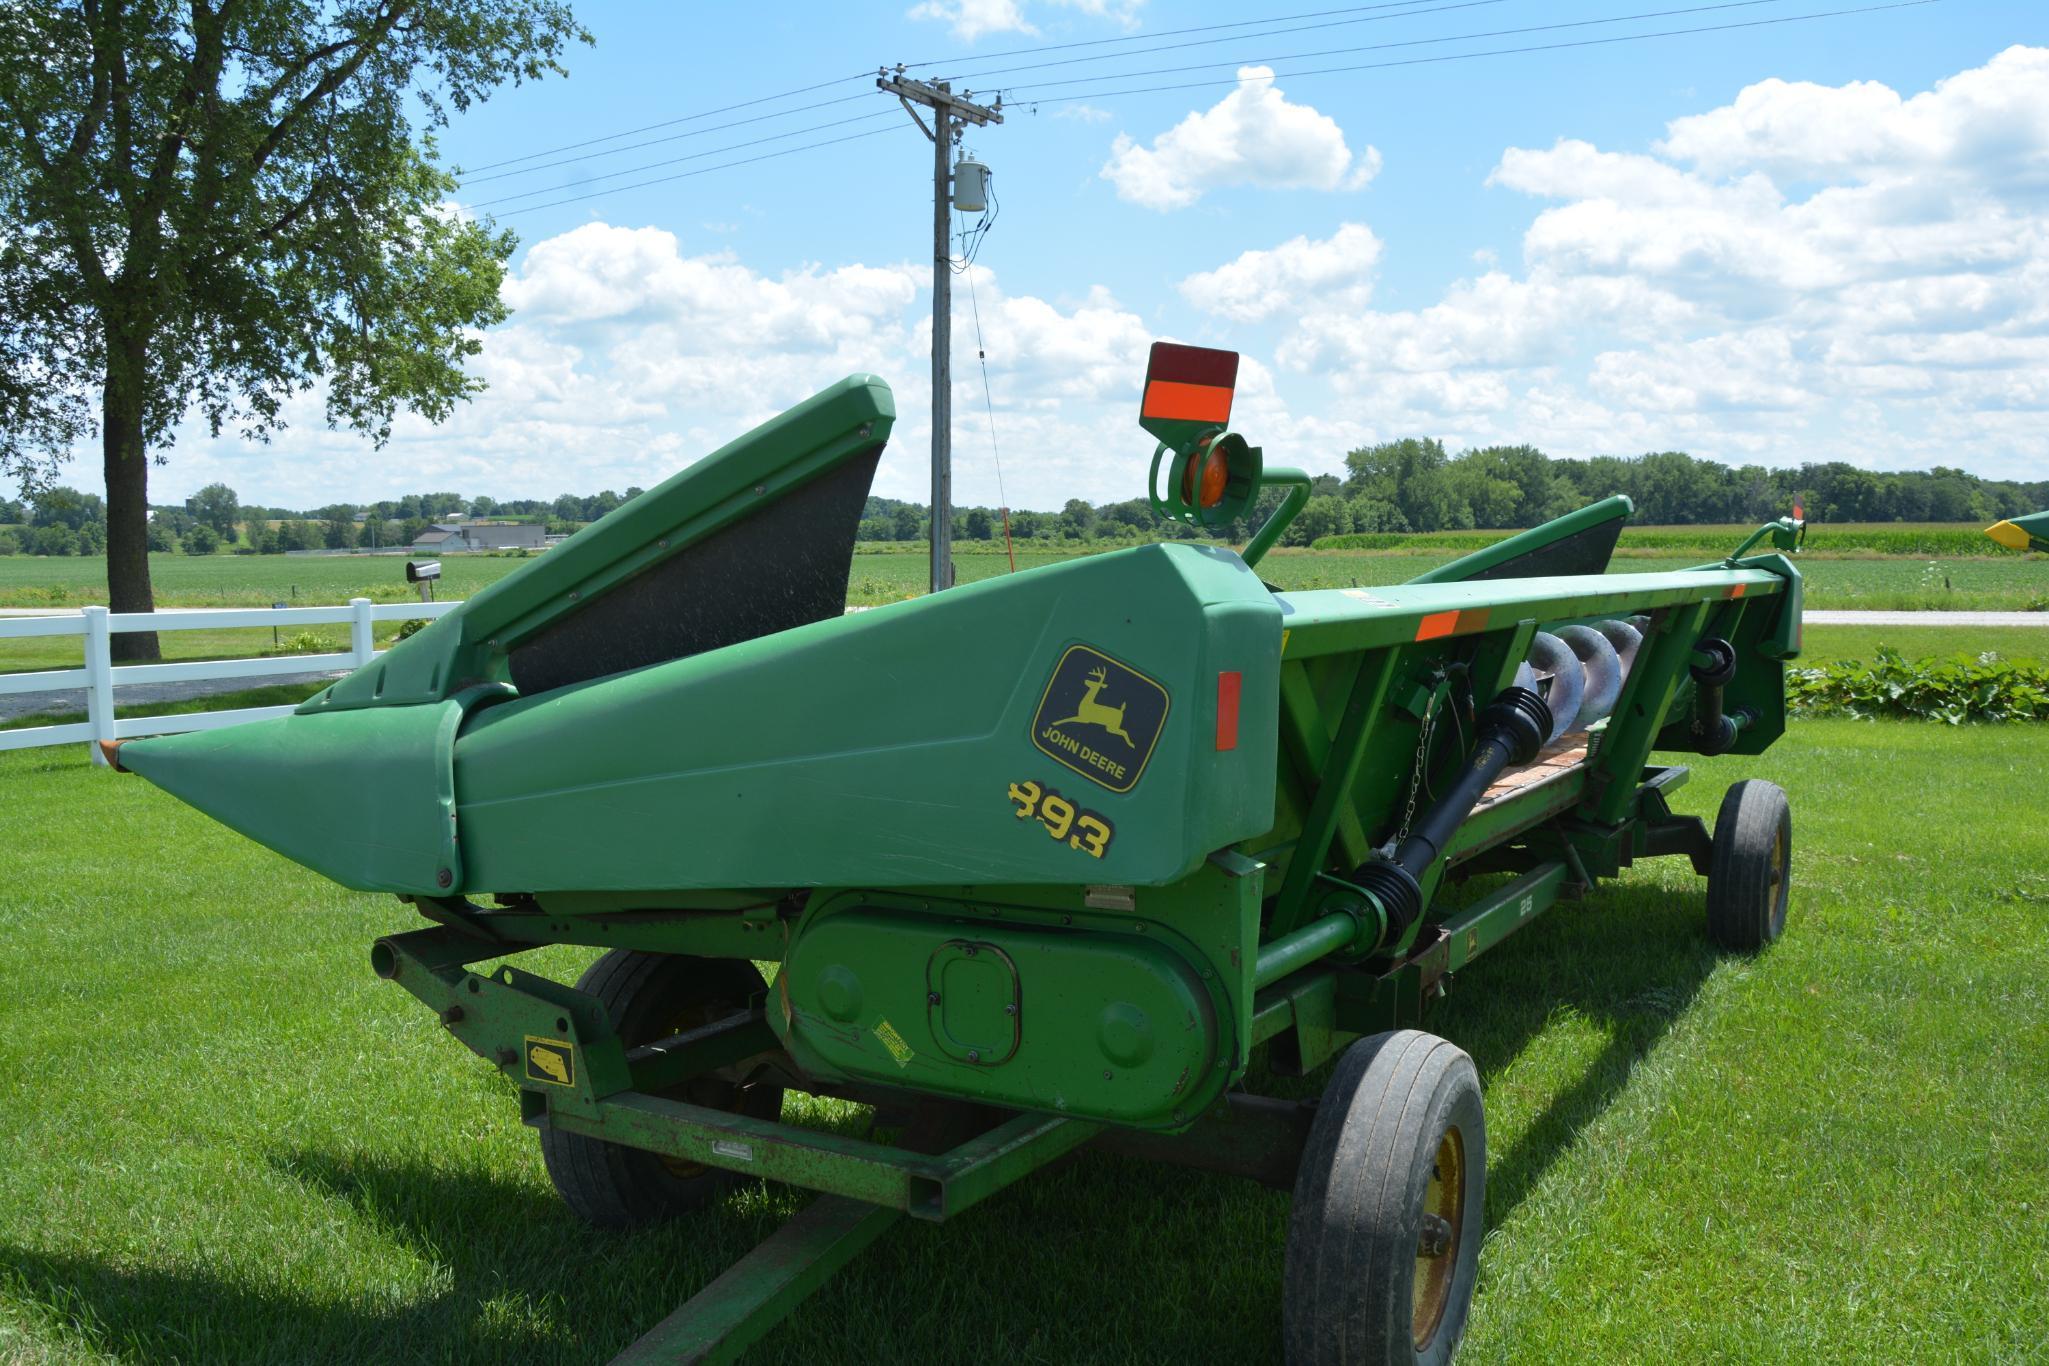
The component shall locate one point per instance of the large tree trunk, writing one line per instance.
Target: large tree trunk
(127, 471)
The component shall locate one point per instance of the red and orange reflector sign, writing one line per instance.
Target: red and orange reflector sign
(1189, 384)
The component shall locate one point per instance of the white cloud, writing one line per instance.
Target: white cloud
(1808, 272)
(1299, 272)
(1253, 137)
(973, 19)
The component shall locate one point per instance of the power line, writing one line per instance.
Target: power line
(693, 156)
(1400, 43)
(1437, 8)
(656, 142)
(1165, 33)
(1457, 56)
(702, 170)
(670, 123)
(472, 177)
(1288, 75)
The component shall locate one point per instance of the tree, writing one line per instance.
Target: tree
(10, 544)
(202, 540)
(212, 207)
(217, 506)
(60, 506)
(906, 522)
(978, 525)
(56, 539)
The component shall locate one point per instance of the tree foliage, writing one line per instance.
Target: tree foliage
(213, 206)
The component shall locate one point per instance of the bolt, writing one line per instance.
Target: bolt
(931, 998)
(1435, 1239)
(452, 1015)
(969, 951)
(507, 1057)
(974, 1055)
(443, 878)
(1106, 1074)
(663, 542)
(1010, 1007)
(761, 488)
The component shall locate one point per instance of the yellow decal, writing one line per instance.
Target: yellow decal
(551, 1061)
(1084, 830)
(1284, 642)
(894, 1042)
(1100, 717)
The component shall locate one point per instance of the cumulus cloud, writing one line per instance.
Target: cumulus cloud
(972, 19)
(1252, 138)
(1297, 273)
(1806, 272)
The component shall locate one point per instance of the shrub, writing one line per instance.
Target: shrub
(307, 643)
(202, 540)
(408, 628)
(1957, 689)
(10, 544)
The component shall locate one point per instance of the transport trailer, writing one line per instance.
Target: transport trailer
(1032, 864)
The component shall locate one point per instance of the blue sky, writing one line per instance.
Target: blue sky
(1812, 240)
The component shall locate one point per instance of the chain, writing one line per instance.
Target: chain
(1422, 758)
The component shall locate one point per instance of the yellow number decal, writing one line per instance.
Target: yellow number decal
(1062, 819)
(1058, 815)
(1094, 839)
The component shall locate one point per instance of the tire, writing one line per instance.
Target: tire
(1750, 871)
(1399, 1110)
(648, 996)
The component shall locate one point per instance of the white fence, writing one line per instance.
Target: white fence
(101, 675)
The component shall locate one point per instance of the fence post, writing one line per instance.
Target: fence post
(360, 639)
(99, 680)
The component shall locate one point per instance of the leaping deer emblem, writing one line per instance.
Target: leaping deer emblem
(1089, 712)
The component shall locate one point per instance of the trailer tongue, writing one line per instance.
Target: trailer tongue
(1039, 861)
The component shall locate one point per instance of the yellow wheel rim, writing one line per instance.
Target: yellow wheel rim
(1437, 1243)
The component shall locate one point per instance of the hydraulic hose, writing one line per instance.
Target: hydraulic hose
(1511, 730)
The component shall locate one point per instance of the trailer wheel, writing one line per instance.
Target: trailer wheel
(1750, 872)
(1384, 1240)
(648, 996)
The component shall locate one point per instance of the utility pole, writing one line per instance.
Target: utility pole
(949, 113)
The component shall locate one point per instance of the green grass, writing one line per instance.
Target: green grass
(1861, 580)
(228, 1142)
(1823, 644)
(274, 695)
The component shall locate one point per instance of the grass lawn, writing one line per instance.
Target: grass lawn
(229, 1142)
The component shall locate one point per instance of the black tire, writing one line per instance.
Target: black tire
(1398, 1110)
(1751, 870)
(648, 996)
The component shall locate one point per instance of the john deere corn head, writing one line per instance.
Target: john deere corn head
(1036, 863)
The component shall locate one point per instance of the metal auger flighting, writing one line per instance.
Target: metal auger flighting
(1041, 862)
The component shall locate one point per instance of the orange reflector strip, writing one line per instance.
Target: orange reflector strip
(1228, 686)
(1737, 591)
(1437, 624)
(1455, 623)
(1186, 402)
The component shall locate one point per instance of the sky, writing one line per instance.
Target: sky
(1825, 239)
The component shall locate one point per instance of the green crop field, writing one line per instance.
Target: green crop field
(1862, 581)
(229, 1142)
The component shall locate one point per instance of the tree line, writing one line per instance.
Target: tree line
(1397, 486)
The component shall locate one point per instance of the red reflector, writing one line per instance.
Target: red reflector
(1437, 624)
(1737, 591)
(1192, 365)
(1228, 685)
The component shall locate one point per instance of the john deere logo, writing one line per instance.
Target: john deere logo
(551, 1061)
(1100, 718)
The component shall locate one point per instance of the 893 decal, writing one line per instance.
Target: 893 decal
(1062, 819)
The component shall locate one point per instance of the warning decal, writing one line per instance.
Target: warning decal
(550, 1060)
(894, 1042)
(1100, 718)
